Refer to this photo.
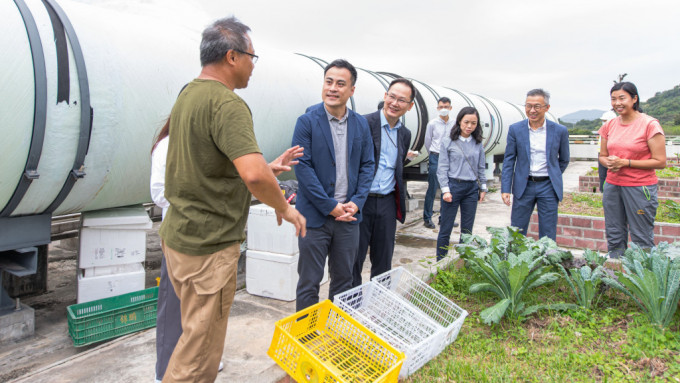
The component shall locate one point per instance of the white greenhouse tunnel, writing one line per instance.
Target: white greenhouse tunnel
(85, 86)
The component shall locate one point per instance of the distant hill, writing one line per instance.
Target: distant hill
(593, 114)
(665, 106)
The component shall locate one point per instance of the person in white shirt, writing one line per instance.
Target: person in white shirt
(436, 129)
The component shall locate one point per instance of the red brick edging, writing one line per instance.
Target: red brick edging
(586, 232)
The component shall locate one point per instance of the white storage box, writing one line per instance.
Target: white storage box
(273, 275)
(105, 286)
(113, 237)
(265, 235)
(109, 270)
(395, 321)
(426, 299)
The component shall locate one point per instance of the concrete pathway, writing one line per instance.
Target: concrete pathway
(51, 357)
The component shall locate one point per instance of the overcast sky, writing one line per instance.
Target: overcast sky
(499, 49)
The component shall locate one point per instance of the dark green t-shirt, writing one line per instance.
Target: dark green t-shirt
(210, 126)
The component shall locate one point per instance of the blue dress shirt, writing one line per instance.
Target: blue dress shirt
(384, 181)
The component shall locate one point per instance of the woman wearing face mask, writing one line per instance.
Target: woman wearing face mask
(632, 146)
(461, 175)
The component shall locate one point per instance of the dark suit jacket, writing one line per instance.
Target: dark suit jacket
(517, 158)
(403, 143)
(316, 171)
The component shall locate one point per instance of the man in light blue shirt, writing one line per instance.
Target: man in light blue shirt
(383, 183)
(386, 202)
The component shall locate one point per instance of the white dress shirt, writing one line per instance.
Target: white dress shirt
(435, 131)
(537, 144)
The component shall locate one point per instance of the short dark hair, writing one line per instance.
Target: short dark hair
(406, 82)
(444, 100)
(629, 88)
(341, 63)
(540, 92)
(222, 36)
(476, 134)
(381, 104)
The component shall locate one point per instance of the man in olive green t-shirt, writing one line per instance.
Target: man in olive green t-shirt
(213, 165)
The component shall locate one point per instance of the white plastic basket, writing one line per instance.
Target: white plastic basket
(427, 300)
(395, 321)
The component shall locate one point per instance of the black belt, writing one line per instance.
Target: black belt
(538, 179)
(377, 195)
(459, 180)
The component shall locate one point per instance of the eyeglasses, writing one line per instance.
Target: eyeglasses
(393, 98)
(255, 57)
(538, 107)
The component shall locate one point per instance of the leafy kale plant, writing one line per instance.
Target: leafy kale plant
(651, 280)
(512, 265)
(594, 258)
(508, 240)
(584, 282)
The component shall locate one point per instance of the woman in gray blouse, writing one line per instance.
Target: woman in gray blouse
(461, 176)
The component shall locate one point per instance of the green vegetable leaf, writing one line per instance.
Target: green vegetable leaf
(494, 313)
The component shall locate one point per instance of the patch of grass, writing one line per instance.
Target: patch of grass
(611, 343)
(590, 204)
(668, 172)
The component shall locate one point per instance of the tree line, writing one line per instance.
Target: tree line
(665, 106)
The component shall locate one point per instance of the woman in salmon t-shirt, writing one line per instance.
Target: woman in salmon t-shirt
(632, 147)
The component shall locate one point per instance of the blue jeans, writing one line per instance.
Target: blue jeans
(464, 194)
(542, 195)
(432, 186)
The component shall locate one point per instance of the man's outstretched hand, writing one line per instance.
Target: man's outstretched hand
(287, 159)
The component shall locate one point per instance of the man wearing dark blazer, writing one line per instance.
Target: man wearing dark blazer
(386, 201)
(334, 176)
(536, 155)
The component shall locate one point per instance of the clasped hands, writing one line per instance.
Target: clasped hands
(345, 211)
(614, 163)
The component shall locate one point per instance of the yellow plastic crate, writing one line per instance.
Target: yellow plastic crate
(323, 344)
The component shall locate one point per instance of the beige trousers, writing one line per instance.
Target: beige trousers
(205, 286)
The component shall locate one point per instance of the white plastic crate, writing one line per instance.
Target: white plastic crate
(105, 286)
(429, 301)
(396, 321)
(273, 275)
(265, 235)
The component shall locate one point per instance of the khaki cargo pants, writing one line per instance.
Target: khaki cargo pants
(205, 286)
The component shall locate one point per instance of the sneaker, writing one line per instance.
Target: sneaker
(221, 367)
(429, 224)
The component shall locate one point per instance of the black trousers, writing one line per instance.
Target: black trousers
(376, 231)
(168, 322)
(336, 240)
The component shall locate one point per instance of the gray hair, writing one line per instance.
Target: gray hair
(540, 92)
(223, 35)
